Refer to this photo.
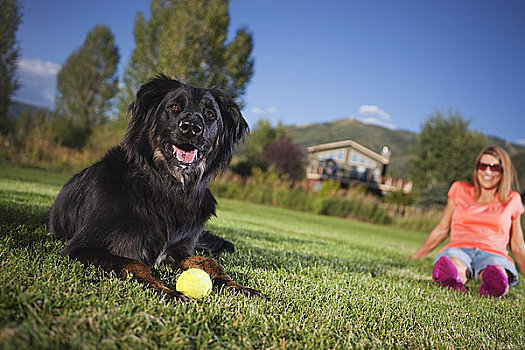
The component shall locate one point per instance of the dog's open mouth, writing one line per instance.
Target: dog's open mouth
(183, 154)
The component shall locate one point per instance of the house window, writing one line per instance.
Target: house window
(335, 155)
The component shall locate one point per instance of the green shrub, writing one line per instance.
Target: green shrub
(269, 188)
(400, 198)
(435, 196)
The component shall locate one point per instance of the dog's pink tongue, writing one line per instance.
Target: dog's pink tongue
(183, 156)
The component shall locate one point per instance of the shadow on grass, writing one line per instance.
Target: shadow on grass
(18, 208)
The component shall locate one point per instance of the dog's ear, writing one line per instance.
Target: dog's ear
(143, 112)
(235, 125)
(150, 95)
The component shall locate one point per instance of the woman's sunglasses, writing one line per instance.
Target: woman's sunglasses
(493, 167)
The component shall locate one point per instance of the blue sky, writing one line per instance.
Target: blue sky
(391, 63)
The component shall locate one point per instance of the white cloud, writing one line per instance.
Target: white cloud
(257, 111)
(39, 68)
(38, 82)
(373, 115)
(263, 111)
(521, 142)
(373, 111)
(378, 122)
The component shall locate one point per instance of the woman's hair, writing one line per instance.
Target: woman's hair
(508, 173)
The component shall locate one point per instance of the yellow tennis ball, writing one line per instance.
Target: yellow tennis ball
(195, 283)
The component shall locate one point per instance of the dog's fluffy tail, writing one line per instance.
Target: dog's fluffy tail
(210, 243)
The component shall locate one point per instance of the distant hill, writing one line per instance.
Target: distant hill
(374, 137)
(16, 108)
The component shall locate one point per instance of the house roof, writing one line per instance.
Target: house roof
(349, 143)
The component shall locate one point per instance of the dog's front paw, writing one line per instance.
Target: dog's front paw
(228, 247)
(175, 295)
(210, 243)
(237, 288)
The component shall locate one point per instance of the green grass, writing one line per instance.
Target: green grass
(330, 283)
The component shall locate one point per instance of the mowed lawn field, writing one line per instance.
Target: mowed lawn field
(328, 283)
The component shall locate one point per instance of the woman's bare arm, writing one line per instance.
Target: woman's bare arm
(438, 234)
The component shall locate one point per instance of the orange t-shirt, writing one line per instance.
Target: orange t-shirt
(483, 226)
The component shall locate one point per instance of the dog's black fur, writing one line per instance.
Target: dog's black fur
(147, 200)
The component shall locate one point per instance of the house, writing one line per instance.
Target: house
(351, 163)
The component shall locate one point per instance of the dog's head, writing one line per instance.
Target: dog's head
(188, 131)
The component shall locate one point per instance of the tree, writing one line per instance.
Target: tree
(87, 83)
(262, 134)
(29, 126)
(187, 39)
(285, 156)
(518, 160)
(446, 152)
(248, 156)
(23, 126)
(10, 18)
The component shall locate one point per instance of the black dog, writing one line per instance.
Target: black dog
(146, 202)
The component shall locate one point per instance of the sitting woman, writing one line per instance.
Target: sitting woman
(482, 219)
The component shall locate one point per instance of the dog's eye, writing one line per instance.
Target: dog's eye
(210, 115)
(175, 108)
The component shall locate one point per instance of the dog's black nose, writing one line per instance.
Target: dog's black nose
(190, 125)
